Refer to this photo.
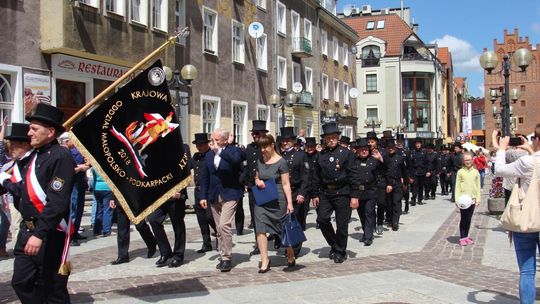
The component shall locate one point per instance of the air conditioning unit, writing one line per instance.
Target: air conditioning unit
(385, 11)
(355, 10)
(366, 9)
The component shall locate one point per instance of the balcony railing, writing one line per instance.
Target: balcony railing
(415, 56)
(306, 99)
(301, 47)
(370, 62)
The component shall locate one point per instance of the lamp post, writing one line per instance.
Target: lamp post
(282, 102)
(489, 61)
(373, 123)
(177, 79)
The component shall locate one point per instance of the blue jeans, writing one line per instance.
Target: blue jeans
(525, 245)
(104, 214)
(4, 228)
(482, 177)
(77, 203)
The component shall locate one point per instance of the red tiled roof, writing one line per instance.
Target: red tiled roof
(459, 82)
(443, 55)
(394, 33)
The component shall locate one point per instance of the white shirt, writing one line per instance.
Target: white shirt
(217, 158)
(522, 168)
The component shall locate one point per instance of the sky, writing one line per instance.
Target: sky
(467, 27)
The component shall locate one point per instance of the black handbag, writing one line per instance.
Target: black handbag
(292, 233)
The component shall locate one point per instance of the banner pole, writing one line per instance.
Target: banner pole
(118, 81)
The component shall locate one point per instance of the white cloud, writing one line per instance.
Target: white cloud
(536, 27)
(464, 56)
(481, 92)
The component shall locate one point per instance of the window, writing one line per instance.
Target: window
(210, 113)
(336, 90)
(281, 19)
(307, 30)
(280, 121)
(209, 31)
(94, 3)
(521, 120)
(159, 14)
(239, 122)
(371, 51)
(296, 125)
(336, 49)
(325, 91)
(115, 6)
(380, 24)
(262, 53)
(370, 25)
(324, 43)
(263, 113)
(522, 88)
(237, 42)
(309, 80)
(372, 114)
(295, 26)
(345, 93)
(523, 103)
(261, 3)
(371, 82)
(282, 73)
(297, 73)
(416, 101)
(180, 18)
(345, 54)
(6, 95)
(139, 11)
(309, 127)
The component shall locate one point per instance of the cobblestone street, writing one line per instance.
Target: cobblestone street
(420, 263)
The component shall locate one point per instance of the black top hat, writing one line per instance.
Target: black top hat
(287, 132)
(371, 135)
(361, 142)
(458, 144)
(49, 115)
(311, 141)
(387, 134)
(418, 139)
(430, 146)
(330, 128)
(259, 125)
(400, 136)
(390, 144)
(345, 139)
(444, 147)
(19, 131)
(201, 138)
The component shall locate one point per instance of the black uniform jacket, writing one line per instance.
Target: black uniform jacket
(298, 171)
(335, 173)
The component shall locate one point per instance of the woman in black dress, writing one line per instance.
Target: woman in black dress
(269, 217)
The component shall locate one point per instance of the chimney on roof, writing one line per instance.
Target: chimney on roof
(415, 28)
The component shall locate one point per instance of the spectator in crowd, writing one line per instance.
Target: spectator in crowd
(480, 162)
(102, 196)
(525, 244)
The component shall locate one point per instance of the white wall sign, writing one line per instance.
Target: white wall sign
(86, 67)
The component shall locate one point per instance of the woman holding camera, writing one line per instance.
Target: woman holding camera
(525, 244)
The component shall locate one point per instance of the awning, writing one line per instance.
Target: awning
(478, 133)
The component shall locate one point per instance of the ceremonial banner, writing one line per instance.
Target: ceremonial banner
(133, 139)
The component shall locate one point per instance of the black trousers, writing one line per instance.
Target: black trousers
(340, 204)
(35, 278)
(406, 195)
(432, 181)
(123, 236)
(453, 185)
(393, 201)
(176, 209)
(381, 204)
(445, 181)
(205, 221)
(366, 212)
(465, 221)
(301, 211)
(417, 188)
(239, 216)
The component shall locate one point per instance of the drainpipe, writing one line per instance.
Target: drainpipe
(275, 89)
(318, 60)
(436, 96)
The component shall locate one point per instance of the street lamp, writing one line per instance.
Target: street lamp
(282, 101)
(180, 78)
(489, 61)
(373, 122)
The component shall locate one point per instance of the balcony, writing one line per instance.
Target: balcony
(301, 47)
(305, 99)
(370, 62)
(416, 56)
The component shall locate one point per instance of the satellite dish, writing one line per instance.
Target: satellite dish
(353, 93)
(297, 87)
(347, 10)
(256, 29)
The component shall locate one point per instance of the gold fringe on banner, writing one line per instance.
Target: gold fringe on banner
(120, 198)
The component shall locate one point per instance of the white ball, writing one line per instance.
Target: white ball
(464, 201)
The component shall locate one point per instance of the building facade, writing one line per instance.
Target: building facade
(525, 111)
(400, 78)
